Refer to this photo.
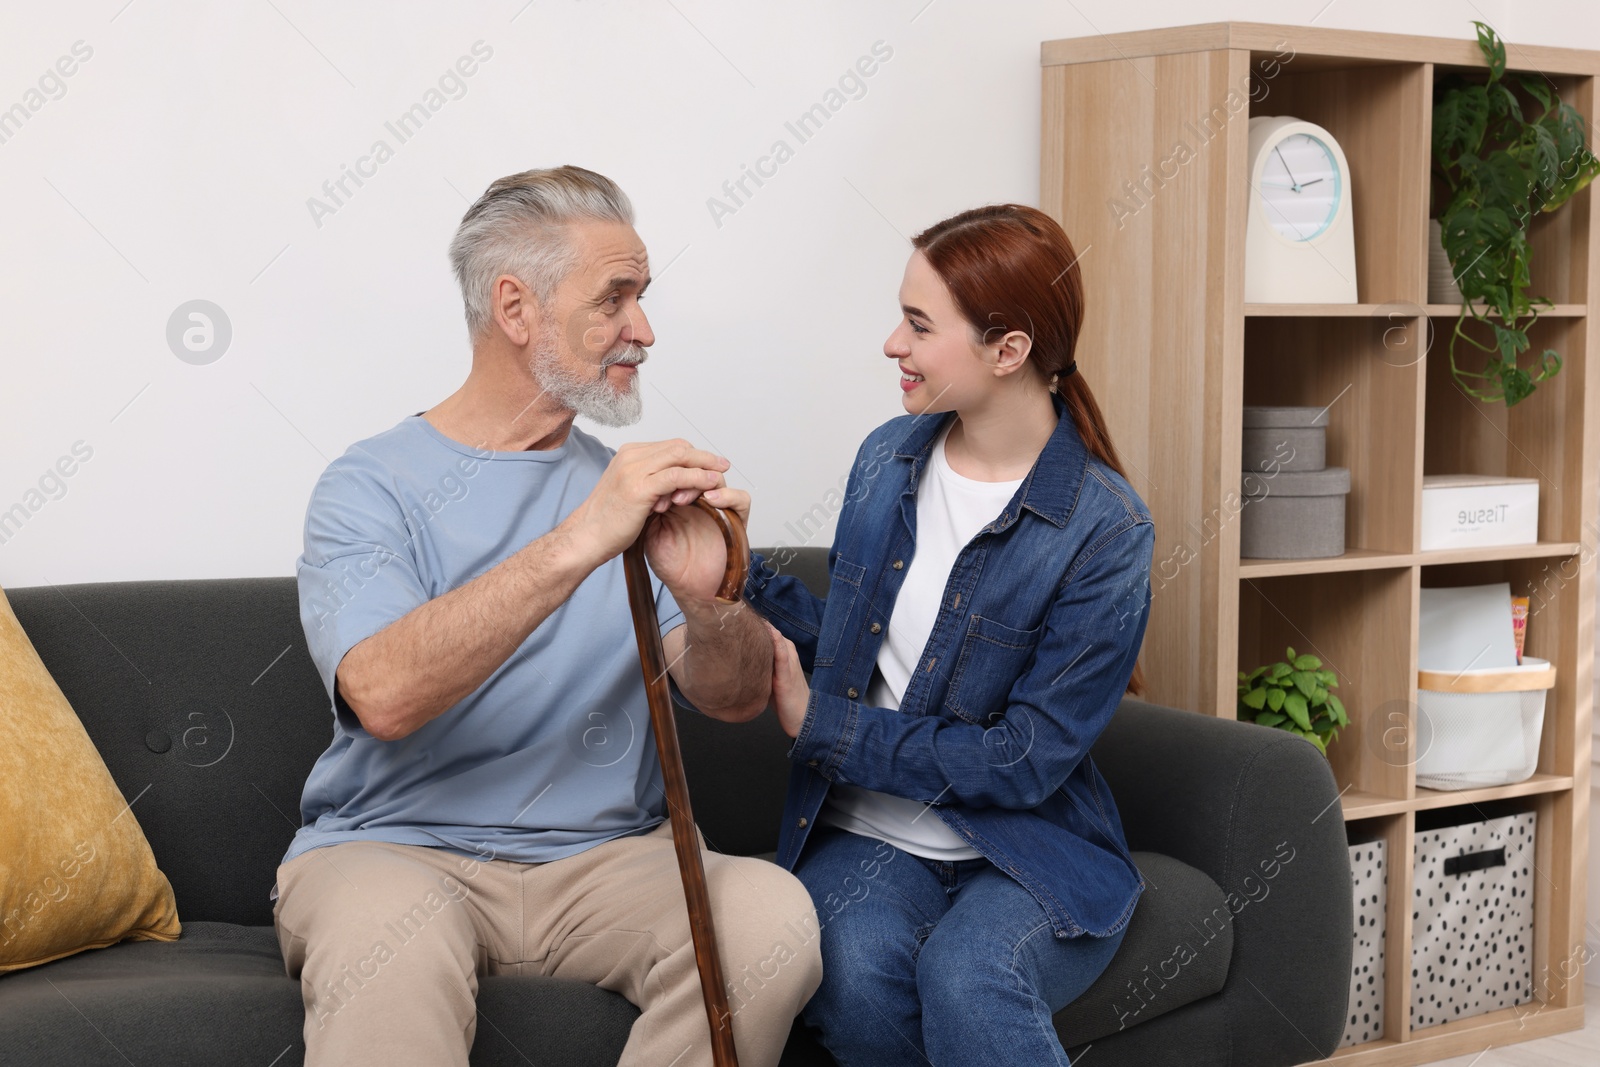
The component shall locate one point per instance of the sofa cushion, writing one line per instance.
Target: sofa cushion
(76, 871)
(219, 994)
(1176, 951)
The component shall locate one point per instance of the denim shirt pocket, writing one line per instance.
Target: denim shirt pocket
(841, 609)
(992, 658)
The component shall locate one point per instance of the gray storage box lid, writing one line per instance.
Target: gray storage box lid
(1329, 481)
(1299, 417)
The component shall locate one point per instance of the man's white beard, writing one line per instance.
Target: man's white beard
(593, 397)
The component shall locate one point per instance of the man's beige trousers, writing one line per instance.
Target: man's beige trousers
(388, 942)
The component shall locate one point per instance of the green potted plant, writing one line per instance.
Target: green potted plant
(1495, 163)
(1294, 695)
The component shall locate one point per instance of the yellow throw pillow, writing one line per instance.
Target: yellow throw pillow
(75, 869)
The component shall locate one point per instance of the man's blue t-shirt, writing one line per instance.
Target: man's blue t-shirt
(553, 753)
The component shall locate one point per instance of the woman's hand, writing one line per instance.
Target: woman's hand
(790, 693)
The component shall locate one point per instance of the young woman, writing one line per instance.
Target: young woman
(989, 594)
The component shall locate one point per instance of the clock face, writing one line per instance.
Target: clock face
(1300, 187)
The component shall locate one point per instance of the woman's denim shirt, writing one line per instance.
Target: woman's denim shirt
(1042, 618)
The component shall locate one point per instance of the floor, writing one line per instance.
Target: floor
(1576, 1048)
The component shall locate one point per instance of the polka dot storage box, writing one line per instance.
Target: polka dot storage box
(1369, 885)
(1472, 914)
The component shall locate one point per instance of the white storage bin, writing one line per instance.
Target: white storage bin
(1369, 888)
(1472, 916)
(1481, 727)
(1471, 510)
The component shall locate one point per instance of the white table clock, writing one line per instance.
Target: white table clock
(1300, 238)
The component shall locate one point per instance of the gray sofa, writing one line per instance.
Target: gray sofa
(202, 699)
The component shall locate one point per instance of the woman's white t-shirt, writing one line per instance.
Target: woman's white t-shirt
(951, 509)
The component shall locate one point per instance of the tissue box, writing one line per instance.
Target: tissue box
(1470, 510)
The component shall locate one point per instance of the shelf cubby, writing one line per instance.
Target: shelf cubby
(1556, 607)
(1539, 437)
(1364, 371)
(1360, 626)
(1377, 113)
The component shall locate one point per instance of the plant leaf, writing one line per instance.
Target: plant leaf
(1585, 167)
(1503, 102)
(1537, 88)
(1255, 699)
(1515, 384)
(1307, 662)
(1295, 705)
(1460, 120)
(1546, 154)
(1268, 718)
(1493, 49)
(1275, 699)
(1509, 341)
(1571, 132)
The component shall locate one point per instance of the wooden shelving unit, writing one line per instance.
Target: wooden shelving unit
(1173, 353)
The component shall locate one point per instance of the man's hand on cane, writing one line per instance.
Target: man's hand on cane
(685, 548)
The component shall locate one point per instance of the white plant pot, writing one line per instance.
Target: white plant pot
(1442, 288)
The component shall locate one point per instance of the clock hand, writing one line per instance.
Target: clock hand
(1313, 181)
(1286, 170)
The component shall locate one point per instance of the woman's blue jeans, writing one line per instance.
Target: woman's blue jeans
(927, 961)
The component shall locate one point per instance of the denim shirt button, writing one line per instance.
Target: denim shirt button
(802, 822)
(899, 563)
(811, 763)
(877, 628)
(851, 692)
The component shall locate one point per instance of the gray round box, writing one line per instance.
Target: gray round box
(1293, 514)
(1271, 433)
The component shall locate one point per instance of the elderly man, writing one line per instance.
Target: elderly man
(492, 802)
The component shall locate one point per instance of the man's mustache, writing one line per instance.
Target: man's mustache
(629, 356)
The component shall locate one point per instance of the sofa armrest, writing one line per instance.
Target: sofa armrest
(1257, 810)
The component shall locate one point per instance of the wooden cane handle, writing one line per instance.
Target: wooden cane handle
(685, 842)
(733, 535)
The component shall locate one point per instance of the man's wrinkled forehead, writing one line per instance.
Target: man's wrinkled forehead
(614, 257)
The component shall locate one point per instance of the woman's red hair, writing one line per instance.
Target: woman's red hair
(1012, 267)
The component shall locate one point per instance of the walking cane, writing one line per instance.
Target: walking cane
(653, 660)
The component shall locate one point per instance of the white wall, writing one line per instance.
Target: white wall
(177, 161)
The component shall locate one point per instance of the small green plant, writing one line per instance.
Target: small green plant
(1499, 166)
(1294, 695)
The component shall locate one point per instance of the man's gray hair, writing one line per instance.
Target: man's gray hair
(519, 227)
